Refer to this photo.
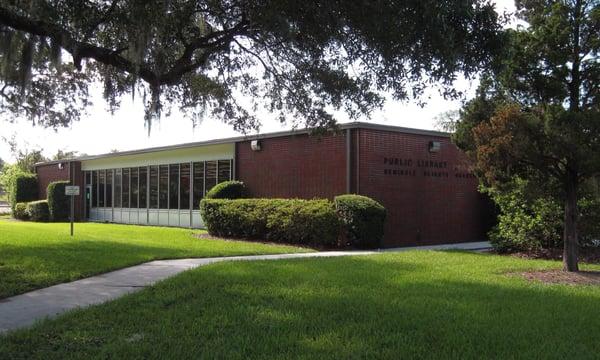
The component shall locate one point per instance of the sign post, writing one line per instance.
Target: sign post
(72, 191)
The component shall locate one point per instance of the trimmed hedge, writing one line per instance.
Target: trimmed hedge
(38, 210)
(20, 211)
(292, 221)
(228, 190)
(363, 219)
(23, 189)
(58, 202)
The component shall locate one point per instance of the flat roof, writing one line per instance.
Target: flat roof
(345, 126)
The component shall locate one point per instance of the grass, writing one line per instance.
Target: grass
(439, 305)
(36, 255)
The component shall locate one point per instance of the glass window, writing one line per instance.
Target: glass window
(117, 195)
(163, 187)
(153, 187)
(109, 188)
(88, 177)
(125, 187)
(198, 184)
(184, 184)
(134, 188)
(211, 175)
(224, 171)
(95, 188)
(174, 186)
(143, 187)
(101, 182)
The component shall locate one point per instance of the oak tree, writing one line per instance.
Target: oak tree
(301, 60)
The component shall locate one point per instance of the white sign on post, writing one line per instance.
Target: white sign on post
(72, 190)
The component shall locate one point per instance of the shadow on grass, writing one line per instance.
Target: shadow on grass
(384, 306)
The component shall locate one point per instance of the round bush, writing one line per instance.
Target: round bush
(58, 202)
(20, 211)
(228, 190)
(363, 219)
(38, 210)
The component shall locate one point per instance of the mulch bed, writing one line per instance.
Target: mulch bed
(586, 255)
(563, 277)
(207, 236)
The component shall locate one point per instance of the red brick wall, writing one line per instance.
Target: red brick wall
(48, 173)
(299, 166)
(426, 205)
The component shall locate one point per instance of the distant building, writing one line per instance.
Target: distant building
(418, 175)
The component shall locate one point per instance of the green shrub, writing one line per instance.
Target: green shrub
(20, 211)
(530, 220)
(228, 190)
(292, 221)
(24, 188)
(38, 210)
(58, 202)
(363, 219)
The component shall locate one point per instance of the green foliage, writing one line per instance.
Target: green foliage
(20, 211)
(530, 220)
(38, 211)
(58, 202)
(285, 55)
(228, 190)
(23, 188)
(293, 221)
(363, 219)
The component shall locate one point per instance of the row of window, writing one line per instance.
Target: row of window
(170, 186)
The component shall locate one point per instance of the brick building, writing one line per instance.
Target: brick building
(419, 176)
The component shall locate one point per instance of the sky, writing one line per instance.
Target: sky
(100, 132)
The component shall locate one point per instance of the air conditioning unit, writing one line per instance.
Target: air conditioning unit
(435, 146)
(255, 145)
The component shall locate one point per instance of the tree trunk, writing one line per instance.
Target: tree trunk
(571, 248)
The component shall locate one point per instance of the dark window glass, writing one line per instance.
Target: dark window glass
(109, 188)
(125, 187)
(94, 189)
(174, 186)
(211, 175)
(143, 188)
(198, 184)
(88, 177)
(224, 170)
(153, 187)
(163, 187)
(134, 188)
(117, 188)
(101, 182)
(184, 184)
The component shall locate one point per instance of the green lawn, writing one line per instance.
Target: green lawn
(35, 255)
(438, 305)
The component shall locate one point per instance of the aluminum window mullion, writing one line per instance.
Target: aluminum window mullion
(203, 179)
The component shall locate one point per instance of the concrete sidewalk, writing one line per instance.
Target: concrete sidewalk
(24, 310)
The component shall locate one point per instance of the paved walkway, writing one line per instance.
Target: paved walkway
(24, 310)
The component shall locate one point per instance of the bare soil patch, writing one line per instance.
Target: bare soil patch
(563, 277)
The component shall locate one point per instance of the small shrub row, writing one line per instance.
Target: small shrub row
(293, 221)
(34, 211)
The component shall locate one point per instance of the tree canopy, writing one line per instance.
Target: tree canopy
(301, 60)
(537, 116)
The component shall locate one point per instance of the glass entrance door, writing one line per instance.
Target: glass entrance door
(88, 200)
